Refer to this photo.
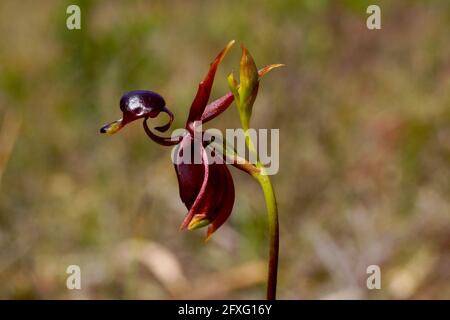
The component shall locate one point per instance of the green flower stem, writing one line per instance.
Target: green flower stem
(272, 215)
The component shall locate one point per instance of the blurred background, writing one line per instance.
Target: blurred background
(364, 119)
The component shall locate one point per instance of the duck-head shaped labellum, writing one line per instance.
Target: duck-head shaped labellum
(139, 104)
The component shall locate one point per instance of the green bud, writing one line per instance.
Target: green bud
(233, 85)
(246, 91)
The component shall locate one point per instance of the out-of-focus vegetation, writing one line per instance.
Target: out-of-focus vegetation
(364, 119)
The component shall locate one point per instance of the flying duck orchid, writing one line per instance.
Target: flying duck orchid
(205, 187)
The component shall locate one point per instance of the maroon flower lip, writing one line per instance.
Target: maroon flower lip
(207, 190)
(139, 104)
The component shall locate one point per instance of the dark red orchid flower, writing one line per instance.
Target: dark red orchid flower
(206, 189)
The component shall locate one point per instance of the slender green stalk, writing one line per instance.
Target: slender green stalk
(245, 94)
(272, 215)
